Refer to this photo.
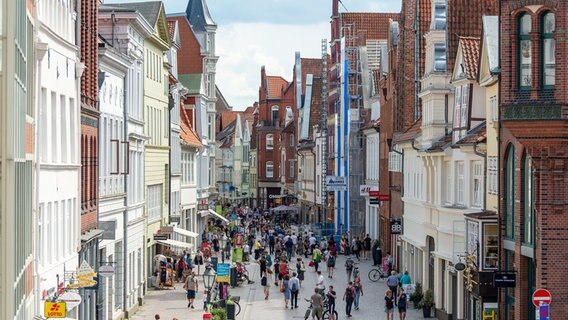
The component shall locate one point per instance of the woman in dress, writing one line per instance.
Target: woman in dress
(265, 282)
(301, 268)
(285, 288)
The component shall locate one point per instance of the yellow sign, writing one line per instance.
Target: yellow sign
(84, 277)
(54, 309)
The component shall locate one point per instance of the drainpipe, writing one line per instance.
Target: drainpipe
(125, 305)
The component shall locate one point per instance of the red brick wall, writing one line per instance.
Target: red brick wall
(546, 142)
(89, 114)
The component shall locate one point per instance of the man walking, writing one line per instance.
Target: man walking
(294, 284)
(192, 286)
(349, 263)
(271, 242)
(349, 297)
(392, 283)
(317, 304)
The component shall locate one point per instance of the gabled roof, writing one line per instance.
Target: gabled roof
(475, 135)
(152, 11)
(227, 118)
(470, 56)
(187, 134)
(198, 15)
(191, 81)
(372, 25)
(275, 86)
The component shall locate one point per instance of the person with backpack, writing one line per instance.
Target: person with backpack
(330, 266)
(294, 284)
(316, 256)
(331, 296)
(348, 297)
(402, 298)
(349, 263)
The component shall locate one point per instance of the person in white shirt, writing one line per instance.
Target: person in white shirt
(295, 241)
(294, 285)
(312, 242)
(320, 283)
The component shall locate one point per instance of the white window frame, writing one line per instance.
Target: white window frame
(477, 184)
(448, 173)
(460, 183)
(492, 175)
(292, 169)
(269, 141)
(440, 58)
(270, 173)
(154, 202)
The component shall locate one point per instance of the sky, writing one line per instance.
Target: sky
(253, 33)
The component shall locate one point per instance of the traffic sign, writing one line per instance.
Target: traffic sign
(541, 296)
(544, 312)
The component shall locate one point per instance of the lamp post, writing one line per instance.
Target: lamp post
(208, 280)
(223, 242)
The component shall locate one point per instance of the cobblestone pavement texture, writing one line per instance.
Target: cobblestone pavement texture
(172, 303)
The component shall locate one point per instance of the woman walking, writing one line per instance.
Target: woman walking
(358, 291)
(265, 283)
(330, 266)
(285, 288)
(301, 268)
(389, 305)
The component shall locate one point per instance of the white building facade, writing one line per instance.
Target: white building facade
(58, 229)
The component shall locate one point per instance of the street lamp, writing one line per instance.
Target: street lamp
(208, 280)
(223, 242)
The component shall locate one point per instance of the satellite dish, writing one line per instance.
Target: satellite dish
(460, 266)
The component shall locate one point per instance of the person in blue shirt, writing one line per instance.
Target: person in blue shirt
(405, 279)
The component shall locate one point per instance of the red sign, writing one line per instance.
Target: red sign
(374, 194)
(384, 197)
(541, 296)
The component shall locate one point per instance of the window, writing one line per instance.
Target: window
(269, 169)
(464, 105)
(291, 140)
(549, 50)
(269, 141)
(440, 16)
(494, 108)
(528, 205)
(154, 202)
(525, 51)
(492, 175)
(460, 182)
(275, 111)
(448, 174)
(477, 184)
(510, 193)
(292, 169)
(211, 127)
(439, 57)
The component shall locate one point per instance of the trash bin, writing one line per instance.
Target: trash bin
(233, 277)
(230, 311)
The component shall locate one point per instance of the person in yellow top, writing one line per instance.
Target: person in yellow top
(316, 257)
(257, 248)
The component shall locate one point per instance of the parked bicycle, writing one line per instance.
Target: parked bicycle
(377, 274)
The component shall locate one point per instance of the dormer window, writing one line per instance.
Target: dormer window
(525, 51)
(440, 16)
(440, 57)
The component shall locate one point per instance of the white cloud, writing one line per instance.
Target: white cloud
(244, 47)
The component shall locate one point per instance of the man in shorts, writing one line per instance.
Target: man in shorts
(192, 286)
(317, 304)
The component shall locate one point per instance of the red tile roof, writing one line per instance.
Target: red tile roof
(275, 86)
(187, 134)
(470, 55)
(412, 132)
(369, 25)
(227, 117)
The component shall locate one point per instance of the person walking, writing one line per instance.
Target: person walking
(285, 288)
(316, 256)
(331, 296)
(320, 283)
(271, 242)
(392, 283)
(367, 246)
(265, 283)
(294, 284)
(348, 297)
(192, 286)
(402, 299)
(276, 270)
(349, 263)
(289, 244)
(358, 292)
(405, 279)
(301, 268)
(317, 304)
(262, 264)
(389, 304)
(330, 266)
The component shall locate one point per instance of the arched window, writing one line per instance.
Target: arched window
(269, 141)
(269, 169)
(528, 201)
(510, 193)
(525, 51)
(548, 50)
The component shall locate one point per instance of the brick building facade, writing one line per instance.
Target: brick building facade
(533, 153)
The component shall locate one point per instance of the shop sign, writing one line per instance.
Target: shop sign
(374, 201)
(223, 272)
(71, 299)
(106, 271)
(396, 226)
(54, 309)
(84, 278)
(364, 190)
(504, 279)
(160, 237)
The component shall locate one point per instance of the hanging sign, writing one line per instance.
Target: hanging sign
(54, 309)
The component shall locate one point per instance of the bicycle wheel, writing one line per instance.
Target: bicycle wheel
(326, 315)
(237, 309)
(374, 275)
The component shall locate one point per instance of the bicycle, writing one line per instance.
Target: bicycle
(326, 315)
(376, 274)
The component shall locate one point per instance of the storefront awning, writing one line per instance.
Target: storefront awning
(184, 232)
(212, 212)
(175, 243)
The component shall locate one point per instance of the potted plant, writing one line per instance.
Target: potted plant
(417, 295)
(427, 303)
(219, 314)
